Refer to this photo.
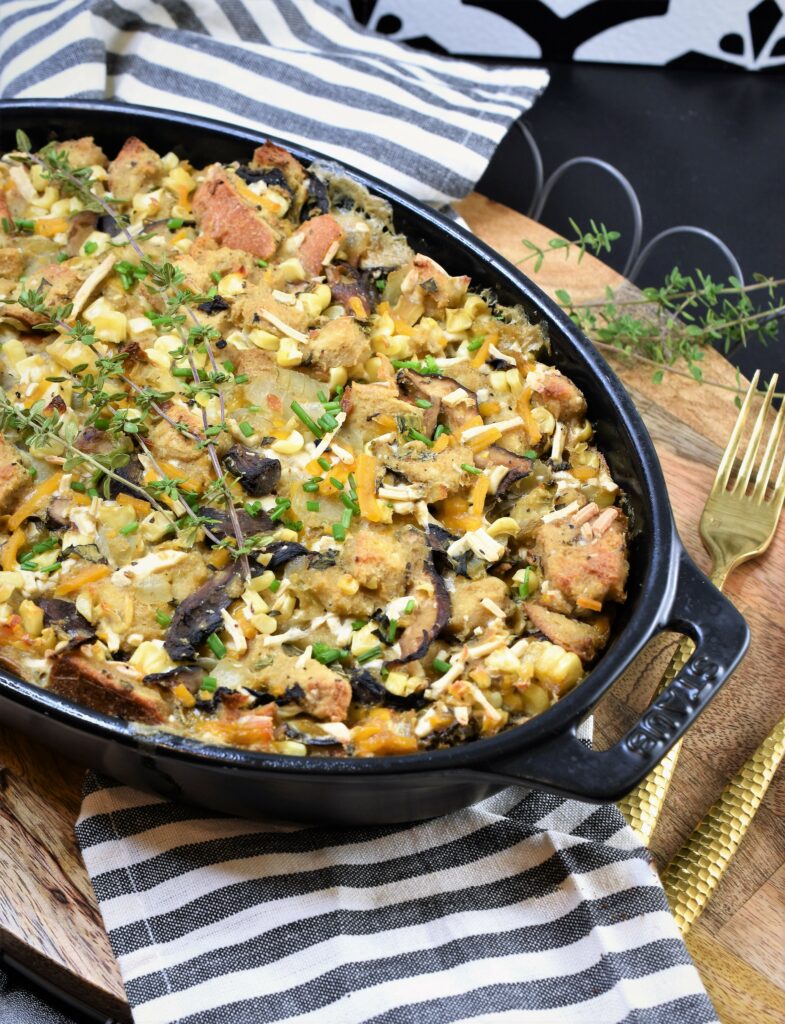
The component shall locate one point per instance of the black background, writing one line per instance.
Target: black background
(699, 147)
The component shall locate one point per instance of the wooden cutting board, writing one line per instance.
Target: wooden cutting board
(49, 919)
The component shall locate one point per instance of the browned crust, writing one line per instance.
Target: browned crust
(96, 685)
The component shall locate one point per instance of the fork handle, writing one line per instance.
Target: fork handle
(695, 872)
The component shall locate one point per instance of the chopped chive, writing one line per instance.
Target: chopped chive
(332, 406)
(322, 397)
(370, 655)
(417, 435)
(93, 492)
(380, 284)
(275, 585)
(336, 482)
(525, 585)
(216, 645)
(531, 454)
(312, 506)
(162, 618)
(90, 247)
(359, 623)
(174, 223)
(241, 378)
(327, 421)
(349, 502)
(392, 631)
(410, 606)
(326, 466)
(44, 545)
(311, 485)
(32, 471)
(253, 508)
(215, 276)
(25, 225)
(475, 343)
(261, 263)
(62, 257)
(326, 654)
(128, 530)
(405, 364)
(182, 371)
(470, 469)
(441, 666)
(246, 429)
(284, 504)
(76, 485)
(51, 568)
(228, 365)
(423, 403)
(346, 519)
(339, 533)
(441, 429)
(303, 416)
(209, 683)
(294, 524)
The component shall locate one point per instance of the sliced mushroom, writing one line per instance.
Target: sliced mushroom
(200, 614)
(439, 541)
(347, 282)
(518, 466)
(133, 472)
(57, 514)
(283, 551)
(317, 201)
(65, 618)
(301, 730)
(430, 616)
(190, 676)
(257, 475)
(222, 526)
(367, 690)
(434, 389)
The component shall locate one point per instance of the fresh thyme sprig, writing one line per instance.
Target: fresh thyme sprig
(163, 278)
(670, 326)
(597, 239)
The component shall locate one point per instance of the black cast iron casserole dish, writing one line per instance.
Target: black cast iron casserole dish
(666, 590)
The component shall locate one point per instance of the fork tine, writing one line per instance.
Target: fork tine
(767, 463)
(723, 472)
(747, 463)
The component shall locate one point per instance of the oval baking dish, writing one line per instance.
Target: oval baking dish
(666, 591)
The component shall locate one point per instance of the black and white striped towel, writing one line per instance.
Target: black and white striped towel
(526, 909)
(297, 68)
(523, 908)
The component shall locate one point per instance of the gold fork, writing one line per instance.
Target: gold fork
(735, 526)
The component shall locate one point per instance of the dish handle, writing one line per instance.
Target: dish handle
(564, 764)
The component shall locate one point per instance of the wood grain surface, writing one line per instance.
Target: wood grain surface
(48, 915)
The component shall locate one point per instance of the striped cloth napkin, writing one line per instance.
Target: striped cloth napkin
(524, 908)
(423, 123)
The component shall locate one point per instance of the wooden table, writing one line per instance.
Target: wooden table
(49, 919)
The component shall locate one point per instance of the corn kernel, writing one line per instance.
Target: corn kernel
(499, 382)
(364, 640)
(139, 327)
(9, 582)
(457, 320)
(291, 747)
(32, 618)
(401, 684)
(474, 306)
(290, 445)
(348, 585)
(338, 377)
(67, 354)
(154, 527)
(169, 161)
(264, 339)
(110, 324)
(84, 605)
(150, 656)
(264, 624)
(514, 382)
(505, 526)
(231, 284)
(544, 419)
(557, 667)
(291, 270)
(50, 196)
(179, 178)
(285, 607)
(147, 202)
(40, 183)
(262, 581)
(65, 207)
(288, 353)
